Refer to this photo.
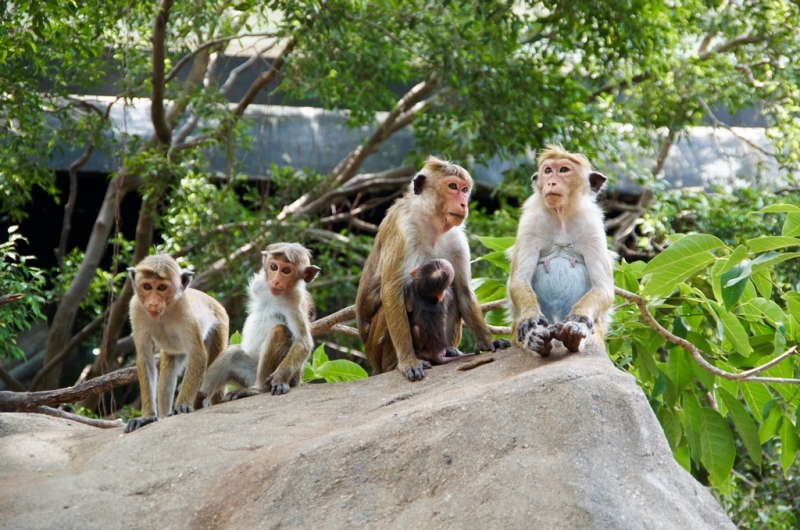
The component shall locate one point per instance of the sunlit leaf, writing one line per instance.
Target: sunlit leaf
(340, 370)
(756, 395)
(734, 331)
(498, 244)
(771, 425)
(236, 338)
(745, 425)
(766, 243)
(788, 435)
(679, 261)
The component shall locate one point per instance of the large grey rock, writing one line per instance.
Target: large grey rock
(522, 442)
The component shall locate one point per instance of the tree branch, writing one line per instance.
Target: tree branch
(10, 382)
(163, 132)
(208, 44)
(698, 354)
(265, 78)
(56, 413)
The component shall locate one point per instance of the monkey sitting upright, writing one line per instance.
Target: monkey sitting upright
(189, 327)
(428, 299)
(561, 284)
(276, 338)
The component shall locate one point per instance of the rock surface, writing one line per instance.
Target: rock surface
(521, 442)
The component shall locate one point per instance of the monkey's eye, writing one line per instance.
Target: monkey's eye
(465, 190)
(147, 287)
(548, 170)
(286, 270)
(453, 186)
(162, 287)
(563, 169)
(273, 267)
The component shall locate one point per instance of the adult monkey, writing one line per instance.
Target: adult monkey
(424, 224)
(560, 284)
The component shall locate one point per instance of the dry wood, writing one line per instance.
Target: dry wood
(57, 413)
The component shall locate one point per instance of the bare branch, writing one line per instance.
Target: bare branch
(731, 44)
(698, 354)
(208, 44)
(265, 78)
(721, 125)
(163, 132)
(66, 225)
(226, 86)
(10, 382)
(57, 413)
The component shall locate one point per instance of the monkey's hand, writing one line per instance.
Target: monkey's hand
(277, 386)
(572, 331)
(535, 334)
(135, 423)
(241, 393)
(452, 352)
(181, 409)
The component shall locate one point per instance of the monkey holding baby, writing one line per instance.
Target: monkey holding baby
(188, 326)
(425, 223)
(561, 284)
(276, 338)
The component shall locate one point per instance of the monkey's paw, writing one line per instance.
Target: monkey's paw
(502, 344)
(135, 423)
(181, 409)
(451, 352)
(535, 334)
(530, 324)
(572, 331)
(415, 372)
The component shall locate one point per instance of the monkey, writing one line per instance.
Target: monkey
(425, 223)
(428, 299)
(561, 284)
(276, 338)
(188, 326)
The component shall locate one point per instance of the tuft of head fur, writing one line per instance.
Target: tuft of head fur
(557, 152)
(162, 265)
(445, 168)
(294, 253)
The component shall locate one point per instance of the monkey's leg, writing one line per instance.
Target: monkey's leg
(378, 346)
(148, 379)
(167, 381)
(215, 344)
(572, 331)
(196, 363)
(534, 334)
(290, 354)
(232, 365)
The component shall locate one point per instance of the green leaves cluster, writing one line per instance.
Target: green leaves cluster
(335, 371)
(723, 302)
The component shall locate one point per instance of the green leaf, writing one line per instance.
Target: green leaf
(779, 208)
(788, 445)
(490, 290)
(340, 370)
(791, 227)
(744, 423)
(771, 425)
(679, 261)
(692, 423)
(734, 331)
(678, 368)
(236, 338)
(756, 395)
(765, 243)
(718, 448)
(671, 423)
(496, 258)
(499, 244)
(319, 357)
(681, 455)
(762, 282)
(731, 292)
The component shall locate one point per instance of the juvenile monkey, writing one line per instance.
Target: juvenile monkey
(188, 326)
(276, 338)
(428, 299)
(425, 223)
(561, 284)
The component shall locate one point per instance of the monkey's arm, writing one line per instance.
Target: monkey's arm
(393, 281)
(530, 328)
(148, 376)
(195, 369)
(288, 373)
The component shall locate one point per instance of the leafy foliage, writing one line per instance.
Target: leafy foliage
(18, 277)
(335, 371)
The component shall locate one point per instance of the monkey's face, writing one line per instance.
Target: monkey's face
(454, 193)
(557, 180)
(281, 276)
(156, 294)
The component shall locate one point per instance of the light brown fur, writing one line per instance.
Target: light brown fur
(187, 325)
(276, 339)
(424, 224)
(561, 221)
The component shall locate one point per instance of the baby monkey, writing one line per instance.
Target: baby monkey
(276, 338)
(428, 300)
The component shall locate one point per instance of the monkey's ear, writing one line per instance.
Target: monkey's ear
(413, 272)
(186, 277)
(596, 181)
(419, 183)
(534, 177)
(310, 273)
(132, 274)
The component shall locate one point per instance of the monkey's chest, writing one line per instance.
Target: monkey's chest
(559, 281)
(170, 342)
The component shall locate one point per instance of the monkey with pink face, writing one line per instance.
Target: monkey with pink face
(561, 285)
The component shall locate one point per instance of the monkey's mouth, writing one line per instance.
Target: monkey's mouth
(154, 314)
(552, 194)
(457, 215)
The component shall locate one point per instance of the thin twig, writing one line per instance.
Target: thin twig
(698, 354)
(57, 413)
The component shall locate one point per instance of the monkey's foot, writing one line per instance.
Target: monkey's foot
(241, 393)
(415, 372)
(181, 409)
(502, 344)
(535, 334)
(278, 387)
(135, 423)
(199, 399)
(572, 331)
(452, 352)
